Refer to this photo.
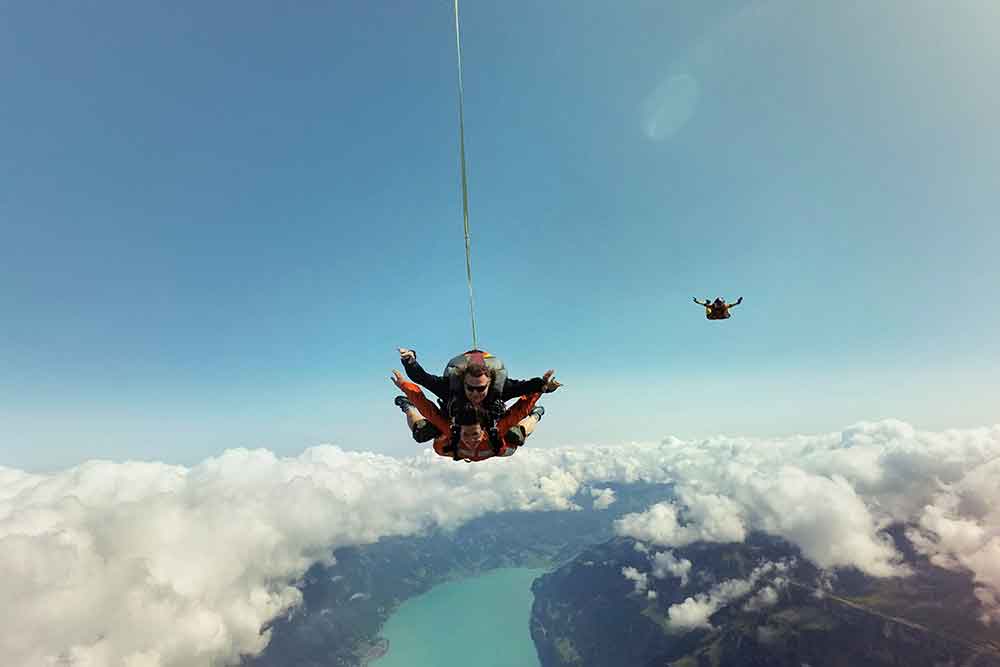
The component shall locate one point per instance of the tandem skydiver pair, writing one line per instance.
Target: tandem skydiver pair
(471, 421)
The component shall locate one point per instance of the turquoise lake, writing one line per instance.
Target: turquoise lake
(483, 620)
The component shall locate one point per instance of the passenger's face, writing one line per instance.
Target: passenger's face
(471, 435)
(476, 388)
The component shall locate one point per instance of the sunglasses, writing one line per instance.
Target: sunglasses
(469, 387)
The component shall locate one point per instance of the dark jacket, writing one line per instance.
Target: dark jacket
(440, 386)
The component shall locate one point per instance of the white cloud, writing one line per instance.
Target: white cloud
(822, 516)
(825, 517)
(640, 579)
(706, 517)
(991, 605)
(146, 563)
(603, 498)
(832, 495)
(764, 598)
(658, 524)
(665, 564)
(695, 611)
(717, 518)
(960, 528)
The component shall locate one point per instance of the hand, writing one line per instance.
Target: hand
(695, 299)
(407, 356)
(550, 384)
(739, 300)
(397, 379)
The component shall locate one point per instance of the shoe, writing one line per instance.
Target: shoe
(515, 436)
(424, 431)
(403, 403)
(538, 411)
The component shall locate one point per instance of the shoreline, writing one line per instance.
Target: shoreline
(375, 652)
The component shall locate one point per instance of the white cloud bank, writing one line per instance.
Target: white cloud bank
(832, 495)
(144, 564)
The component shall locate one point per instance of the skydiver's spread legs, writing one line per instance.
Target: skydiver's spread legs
(413, 417)
(529, 422)
(423, 430)
(517, 434)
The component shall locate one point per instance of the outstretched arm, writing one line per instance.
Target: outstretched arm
(513, 388)
(437, 384)
(700, 303)
(543, 385)
(738, 302)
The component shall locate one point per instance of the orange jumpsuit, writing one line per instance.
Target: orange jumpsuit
(483, 450)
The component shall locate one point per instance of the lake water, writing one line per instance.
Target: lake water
(481, 621)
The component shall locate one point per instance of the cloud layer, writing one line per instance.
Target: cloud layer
(832, 495)
(150, 564)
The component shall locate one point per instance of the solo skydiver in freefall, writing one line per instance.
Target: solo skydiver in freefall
(718, 309)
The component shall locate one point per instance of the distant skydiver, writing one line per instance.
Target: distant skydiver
(468, 439)
(474, 378)
(718, 309)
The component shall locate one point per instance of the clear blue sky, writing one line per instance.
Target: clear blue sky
(219, 220)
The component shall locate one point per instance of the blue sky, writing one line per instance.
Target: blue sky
(218, 222)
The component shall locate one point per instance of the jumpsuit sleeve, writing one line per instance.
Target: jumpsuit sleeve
(426, 408)
(514, 388)
(517, 412)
